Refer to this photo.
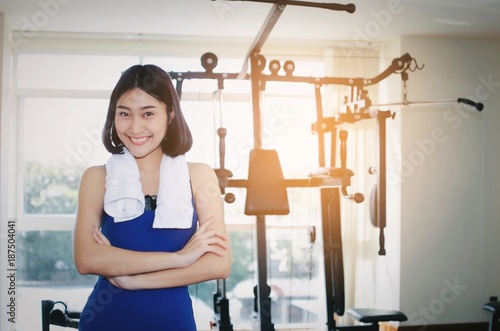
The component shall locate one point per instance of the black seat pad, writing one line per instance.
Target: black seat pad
(377, 315)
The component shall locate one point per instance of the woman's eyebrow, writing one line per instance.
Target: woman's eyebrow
(142, 108)
(148, 107)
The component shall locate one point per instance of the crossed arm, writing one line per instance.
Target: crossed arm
(206, 256)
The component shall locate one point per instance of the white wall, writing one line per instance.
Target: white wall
(450, 252)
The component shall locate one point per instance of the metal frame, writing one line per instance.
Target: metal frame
(356, 106)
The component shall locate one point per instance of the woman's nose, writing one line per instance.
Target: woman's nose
(136, 125)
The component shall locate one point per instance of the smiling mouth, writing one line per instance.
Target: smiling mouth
(138, 140)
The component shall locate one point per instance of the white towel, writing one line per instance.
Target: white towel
(124, 199)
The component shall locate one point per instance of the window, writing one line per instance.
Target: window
(70, 71)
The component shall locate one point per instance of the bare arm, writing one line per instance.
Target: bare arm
(91, 257)
(210, 266)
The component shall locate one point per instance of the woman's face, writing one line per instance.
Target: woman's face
(141, 122)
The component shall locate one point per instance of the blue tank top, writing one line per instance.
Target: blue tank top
(109, 308)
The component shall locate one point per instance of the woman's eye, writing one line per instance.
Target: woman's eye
(123, 113)
(148, 113)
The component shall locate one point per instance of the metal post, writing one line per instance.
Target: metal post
(382, 116)
(263, 299)
(256, 90)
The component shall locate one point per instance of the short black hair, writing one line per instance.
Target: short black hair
(157, 83)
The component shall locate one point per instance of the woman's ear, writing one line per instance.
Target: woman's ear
(171, 117)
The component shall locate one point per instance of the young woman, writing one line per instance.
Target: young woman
(147, 260)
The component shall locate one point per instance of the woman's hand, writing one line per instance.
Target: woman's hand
(203, 241)
(123, 282)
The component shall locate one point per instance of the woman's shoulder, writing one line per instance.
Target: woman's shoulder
(201, 173)
(96, 170)
(204, 183)
(94, 174)
(197, 169)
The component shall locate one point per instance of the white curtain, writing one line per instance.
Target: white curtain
(360, 237)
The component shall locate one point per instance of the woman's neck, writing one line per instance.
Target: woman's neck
(150, 162)
(149, 168)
